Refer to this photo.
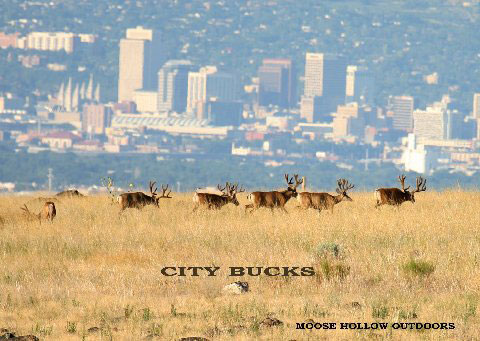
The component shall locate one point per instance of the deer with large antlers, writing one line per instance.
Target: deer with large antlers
(320, 201)
(397, 196)
(48, 212)
(216, 201)
(274, 199)
(140, 199)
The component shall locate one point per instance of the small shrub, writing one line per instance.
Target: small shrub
(332, 270)
(407, 315)
(42, 330)
(71, 327)
(128, 311)
(155, 329)
(328, 249)
(380, 312)
(418, 268)
(147, 314)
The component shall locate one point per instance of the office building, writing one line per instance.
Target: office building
(402, 108)
(140, 58)
(431, 123)
(173, 85)
(325, 77)
(277, 83)
(206, 84)
(360, 86)
(95, 118)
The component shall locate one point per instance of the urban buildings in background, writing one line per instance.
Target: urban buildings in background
(141, 56)
(277, 83)
(360, 85)
(170, 107)
(206, 84)
(402, 109)
(173, 86)
(325, 85)
(48, 41)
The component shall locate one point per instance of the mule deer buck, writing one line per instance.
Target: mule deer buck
(274, 199)
(140, 199)
(396, 196)
(216, 201)
(48, 212)
(320, 201)
(70, 193)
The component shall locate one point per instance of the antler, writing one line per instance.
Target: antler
(344, 185)
(402, 181)
(234, 189)
(29, 213)
(222, 189)
(421, 184)
(297, 182)
(153, 191)
(289, 182)
(164, 190)
(25, 208)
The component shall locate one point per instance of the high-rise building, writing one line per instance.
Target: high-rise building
(431, 123)
(206, 84)
(173, 85)
(360, 85)
(277, 83)
(140, 58)
(402, 108)
(95, 118)
(325, 77)
(476, 105)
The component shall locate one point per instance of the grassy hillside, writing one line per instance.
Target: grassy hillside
(94, 268)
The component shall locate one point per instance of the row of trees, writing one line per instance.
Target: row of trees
(72, 169)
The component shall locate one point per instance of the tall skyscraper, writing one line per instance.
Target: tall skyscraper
(277, 83)
(402, 107)
(476, 105)
(206, 84)
(173, 85)
(325, 77)
(140, 59)
(360, 85)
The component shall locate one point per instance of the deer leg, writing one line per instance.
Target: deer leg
(251, 206)
(284, 210)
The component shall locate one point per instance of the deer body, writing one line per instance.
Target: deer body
(71, 193)
(139, 199)
(216, 201)
(48, 212)
(397, 196)
(136, 200)
(391, 196)
(321, 201)
(274, 199)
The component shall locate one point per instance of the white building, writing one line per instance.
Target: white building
(419, 158)
(208, 82)
(431, 123)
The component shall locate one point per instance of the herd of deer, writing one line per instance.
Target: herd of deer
(272, 199)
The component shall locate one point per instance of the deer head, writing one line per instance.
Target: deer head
(343, 187)
(291, 187)
(410, 195)
(232, 191)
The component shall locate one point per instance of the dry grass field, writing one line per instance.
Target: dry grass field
(94, 268)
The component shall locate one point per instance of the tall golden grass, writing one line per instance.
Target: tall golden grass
(95, 268)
